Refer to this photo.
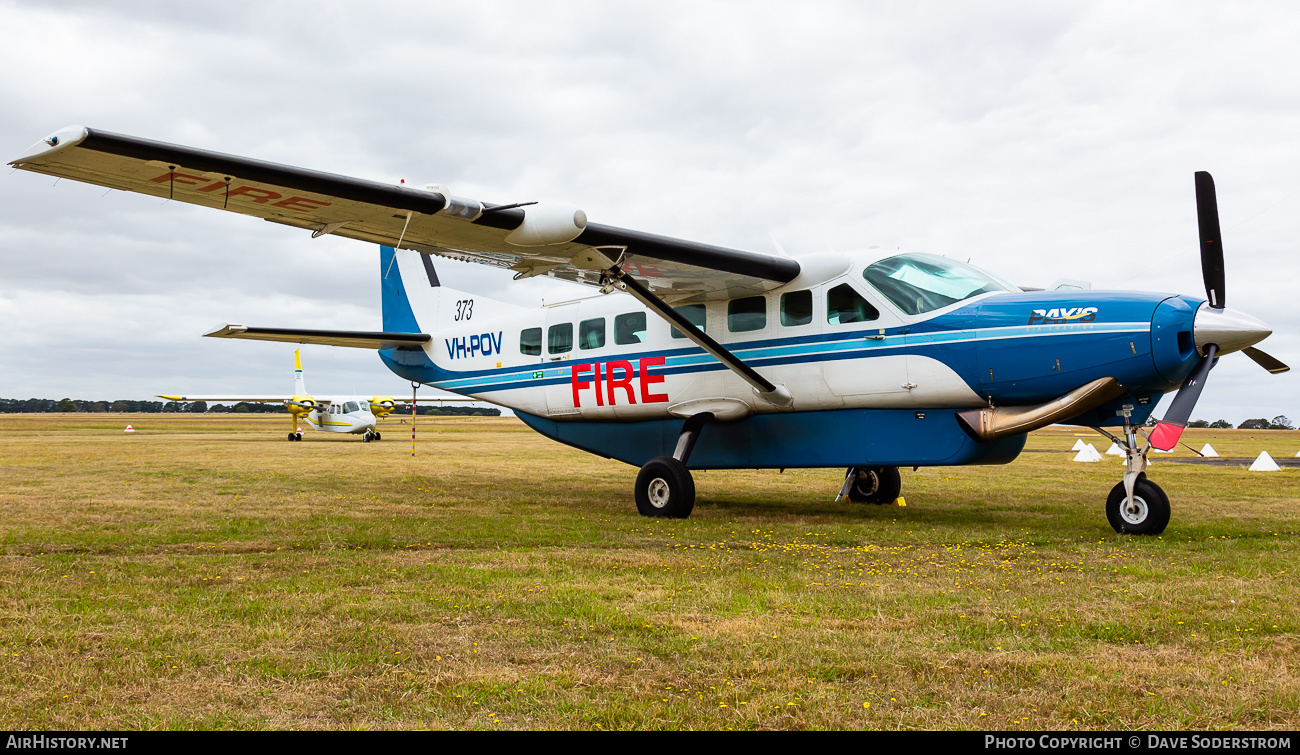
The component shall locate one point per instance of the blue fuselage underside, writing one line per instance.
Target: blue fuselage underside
(837, 438)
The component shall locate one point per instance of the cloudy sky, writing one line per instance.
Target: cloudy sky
(1040, 140)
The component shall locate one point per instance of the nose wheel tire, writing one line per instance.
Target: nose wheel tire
(369, 436)
(378, 436)
(664, 488)
(878, 485)
(1149, 514)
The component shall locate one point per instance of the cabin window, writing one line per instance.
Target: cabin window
(530, 342)
(844, 305)
(629, 328)
(920, 283)
(694, 314)
(349, 407)
(747, 314)
(559, 339)
(591, 334)
(796, 308)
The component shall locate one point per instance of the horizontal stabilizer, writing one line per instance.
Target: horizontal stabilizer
(356, 339)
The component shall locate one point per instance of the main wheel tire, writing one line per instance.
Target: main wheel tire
(291, 437)
(878, 485)
(664, 488)
(297, 436)
(1152, 508)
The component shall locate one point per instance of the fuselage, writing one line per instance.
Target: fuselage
(342, 415)
(837, 343)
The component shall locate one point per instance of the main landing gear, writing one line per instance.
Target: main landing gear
(1136, 505)
(295, 436)
(878, 485)
(664, 486)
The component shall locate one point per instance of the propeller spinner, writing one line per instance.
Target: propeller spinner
(1217, 330)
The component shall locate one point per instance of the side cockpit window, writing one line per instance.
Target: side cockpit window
(844, 305)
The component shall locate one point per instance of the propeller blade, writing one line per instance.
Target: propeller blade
(1168, 430)
(1207, 216)
(1267, 361)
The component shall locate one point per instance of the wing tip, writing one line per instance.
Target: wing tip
(65, 138)
(226, 330)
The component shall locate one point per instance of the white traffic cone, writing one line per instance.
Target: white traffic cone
(1264, 463)
(129, 429)
(1208, 450)
(1089, 453)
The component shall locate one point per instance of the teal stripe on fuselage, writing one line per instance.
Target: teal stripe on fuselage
(855, 345)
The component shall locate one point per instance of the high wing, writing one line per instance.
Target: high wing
(528, 238)
(350, 338)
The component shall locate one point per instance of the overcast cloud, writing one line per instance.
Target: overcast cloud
(1041, 140)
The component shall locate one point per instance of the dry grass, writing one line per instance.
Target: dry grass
(204, 573)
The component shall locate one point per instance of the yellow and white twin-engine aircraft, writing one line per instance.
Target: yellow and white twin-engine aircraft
(707, 357)
(356, 415)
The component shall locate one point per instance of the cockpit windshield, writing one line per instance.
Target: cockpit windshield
(919, 283)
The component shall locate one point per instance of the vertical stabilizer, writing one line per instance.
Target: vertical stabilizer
(415, 301)
(299, 388)
(398, 309)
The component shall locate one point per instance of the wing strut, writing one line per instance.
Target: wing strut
(766, 390)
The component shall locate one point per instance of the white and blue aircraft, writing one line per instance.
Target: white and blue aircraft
(354, 415)
(722, 358)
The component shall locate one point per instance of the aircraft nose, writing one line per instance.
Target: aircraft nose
(1228, 329)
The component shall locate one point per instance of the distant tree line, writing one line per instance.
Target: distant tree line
(1280, 422)
(45, 405)
(447, 411)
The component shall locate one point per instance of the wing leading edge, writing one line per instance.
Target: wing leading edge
(529, 238)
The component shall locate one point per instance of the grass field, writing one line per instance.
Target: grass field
(205, 573)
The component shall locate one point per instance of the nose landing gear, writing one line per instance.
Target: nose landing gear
(1136, 505)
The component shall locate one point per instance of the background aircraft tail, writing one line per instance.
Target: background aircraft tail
(299, 388)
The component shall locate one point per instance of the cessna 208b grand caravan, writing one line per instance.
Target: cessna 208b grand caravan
(722, 358)
(354, 415)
